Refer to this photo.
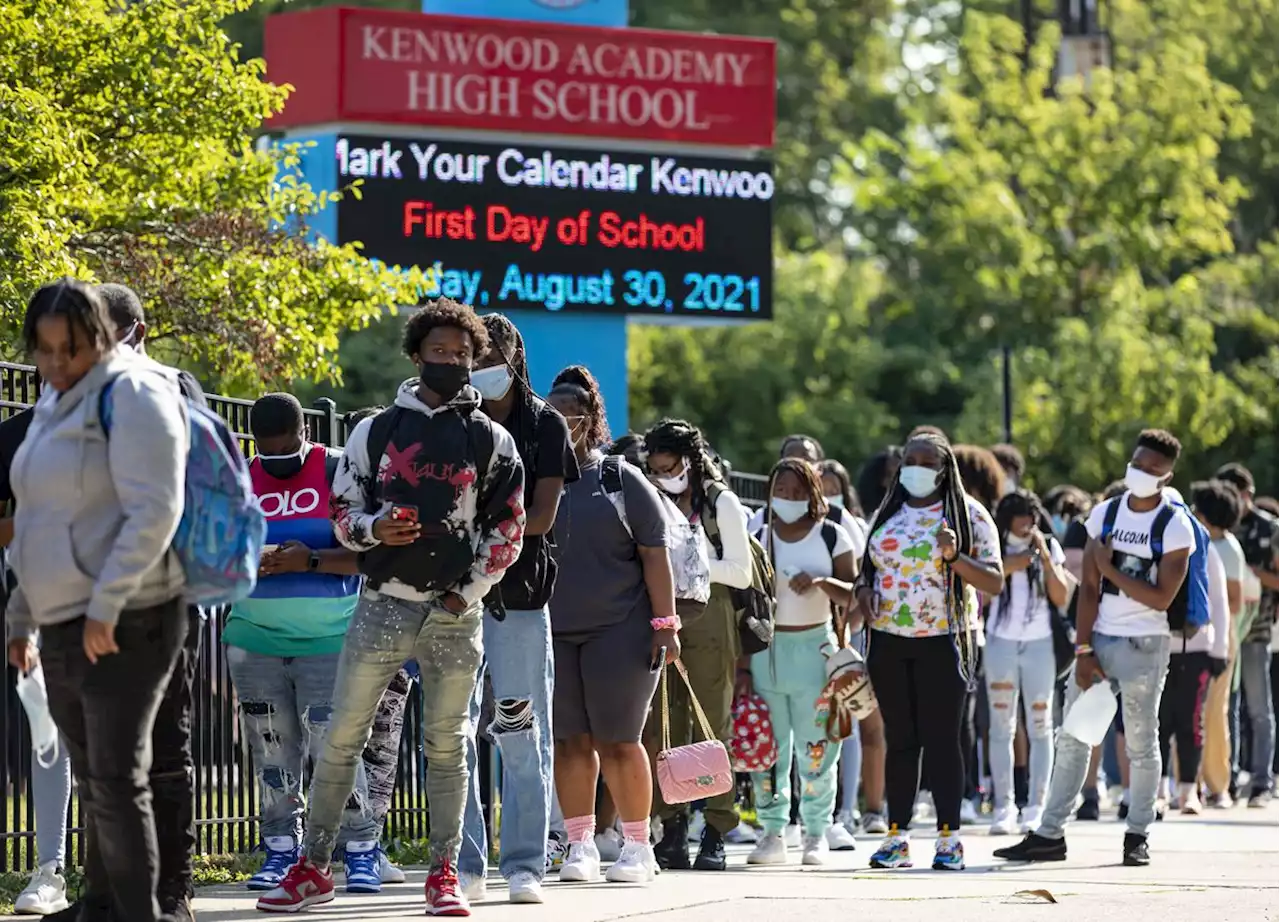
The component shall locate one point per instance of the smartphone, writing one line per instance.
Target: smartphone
(404, 514)
(659, 661)
(789, 571)
(269, 549)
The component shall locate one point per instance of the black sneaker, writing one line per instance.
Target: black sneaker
(1123, 813)
(672, 853)
(711, 851)
(1135, 851)
(1034, 848)
(1089, 809)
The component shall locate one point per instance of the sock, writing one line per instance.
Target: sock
(636, 831)
(580, 828)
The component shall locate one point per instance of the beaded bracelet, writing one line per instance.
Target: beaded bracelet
(665, 624)
(1084, 649)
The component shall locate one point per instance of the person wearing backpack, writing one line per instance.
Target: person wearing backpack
(430, 494)
(680, 465)
(96, 579)
(613, 626)
(1139, 557)
(517, 631)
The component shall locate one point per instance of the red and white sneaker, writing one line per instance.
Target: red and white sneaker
(444, 893)
(303, 886)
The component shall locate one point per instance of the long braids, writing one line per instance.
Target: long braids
(1017, 504)
(685, 440)
(524, 410)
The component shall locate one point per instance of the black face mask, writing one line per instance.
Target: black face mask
(445, 380)
(282, 467)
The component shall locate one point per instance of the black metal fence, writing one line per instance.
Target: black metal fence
(226, 789)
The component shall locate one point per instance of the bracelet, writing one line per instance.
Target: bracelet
(1083, 649)
(665, 624)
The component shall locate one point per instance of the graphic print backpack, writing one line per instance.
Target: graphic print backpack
(689, 568)
(1189, 610)
(222, 531)
(756, 604)
(753, 747)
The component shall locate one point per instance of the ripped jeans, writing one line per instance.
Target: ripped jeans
(519, 661)
(1020, 676)
(285, 708)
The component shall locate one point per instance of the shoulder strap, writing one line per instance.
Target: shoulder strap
(379, 437)
(331, 462)
(829, 536)
(611, 474)
(1163, 518)
(480, 432)
(710, 523)
(1109, 517)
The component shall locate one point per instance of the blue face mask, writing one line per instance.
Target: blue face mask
(1060, 524)
(837, 501)
(918, 481)
(789, 510)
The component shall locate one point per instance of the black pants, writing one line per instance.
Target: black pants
(106, 713)
(922, 699)
(1182, 712)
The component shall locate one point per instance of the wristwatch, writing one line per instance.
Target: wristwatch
(313, 563)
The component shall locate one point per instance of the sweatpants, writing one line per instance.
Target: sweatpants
(1186, 690)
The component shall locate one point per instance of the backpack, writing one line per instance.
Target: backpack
(690, 571)
(222, 531)
(828, 538)
(756, 604)
(1189, 610)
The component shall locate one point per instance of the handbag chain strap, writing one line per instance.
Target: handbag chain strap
(703, 723)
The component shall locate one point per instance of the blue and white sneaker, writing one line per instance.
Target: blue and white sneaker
(948, 852)
(364, 867)
(894, 851)
(282, 853)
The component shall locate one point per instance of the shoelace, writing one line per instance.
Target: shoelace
(363, 864)
(277, 862)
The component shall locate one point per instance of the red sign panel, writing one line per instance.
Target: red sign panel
(363, 65)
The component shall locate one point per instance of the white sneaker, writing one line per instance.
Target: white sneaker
(1031, 817)
(815, 850)
(849, 821)
(744, 834)
(45, 893)
(968, 813)
(697, 823)
(793, 835)
(1006, 822)
(524, 887)
(636, 864)
(474, 887)
(389, 872)
(875, 824)
(583, 864)
(840, 839)
(609, 844)
(924, 807)
(772, 849)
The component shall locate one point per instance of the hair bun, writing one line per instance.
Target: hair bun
(578, 375)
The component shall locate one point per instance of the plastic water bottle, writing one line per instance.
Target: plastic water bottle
(1091, 715)
(35, 701)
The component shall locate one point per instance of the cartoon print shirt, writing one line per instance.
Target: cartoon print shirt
(909, 570)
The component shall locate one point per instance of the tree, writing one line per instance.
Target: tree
(126, 154)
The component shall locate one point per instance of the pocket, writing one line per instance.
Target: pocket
(46, 567)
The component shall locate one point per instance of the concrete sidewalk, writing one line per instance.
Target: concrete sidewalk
(1221, 866)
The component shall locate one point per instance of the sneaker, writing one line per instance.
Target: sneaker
(874, 824)
(389, 873)
(894, 851)
(673, 851)
(1089, 810)
(968, 813)
(636, 864)
(1191, 805)
(793, 835)
(840, 839)
(924, 807)
(1135, 851)
(815, 849)
(44, 894)
(711, 855)
(697, 823)
(303, 885)
(524, 887)
(744, 834)
(282, 854)
(1034, 847)
(176, 908)
(1122, 812)
(1005, 822)
(1161, 807)
(948, 852)
(445, 896)
(609, 844)
(364, 870)
(475, 887)
(556, 851)
(583, 863)
(1221, 801)
(1031, 817)
(772, 849)
(1260, 798)
(850, 821)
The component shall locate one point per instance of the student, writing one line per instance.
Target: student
(110, 641)
(680, 465)
(876, 476)
(1122, 636)
(613, 623)
(932, 548)
(517, 648)
(1020, 665)
(1013, 465)
(809, 450)
(814, 564)
(430, 494)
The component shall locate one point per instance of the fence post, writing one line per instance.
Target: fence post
(329, 422)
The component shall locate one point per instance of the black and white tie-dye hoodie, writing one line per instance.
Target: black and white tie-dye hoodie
(472, 521)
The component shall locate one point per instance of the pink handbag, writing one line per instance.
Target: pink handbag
(689, 773)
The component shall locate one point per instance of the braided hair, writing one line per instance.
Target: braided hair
(812, 484)
(684, 440)
(955, 513)
(523, 421)
(1017, 504)
(577, 382)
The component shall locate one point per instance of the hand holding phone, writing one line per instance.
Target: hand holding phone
(659, 660)
(398, 526)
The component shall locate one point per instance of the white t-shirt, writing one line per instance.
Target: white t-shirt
(1119, 615)
(1025, 616)
(808, 555)
(1212, 638)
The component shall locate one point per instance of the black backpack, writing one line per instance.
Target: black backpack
(756, 604)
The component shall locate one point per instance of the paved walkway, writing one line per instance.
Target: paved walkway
(1222, 867)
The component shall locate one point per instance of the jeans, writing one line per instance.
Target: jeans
(1255, 685)
(51, 793)
(106, 713)
(1136, 668)
(790, 677)
(517, 655)
(1020, 673)
(286, 709)
(383, 634)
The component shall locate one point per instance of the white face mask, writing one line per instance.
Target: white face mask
(35, 701)
(675, 485)
(492, 383)
(1016, 544)
(789, 510)
(1140, 483)
(837, 501)
(918, 481)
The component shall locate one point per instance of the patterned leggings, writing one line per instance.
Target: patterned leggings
(382, 753)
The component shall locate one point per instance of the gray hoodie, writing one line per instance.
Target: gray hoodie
(96, 515)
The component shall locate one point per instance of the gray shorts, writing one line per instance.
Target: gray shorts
(604, 683)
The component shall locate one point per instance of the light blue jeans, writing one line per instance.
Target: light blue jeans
(1136, 668)
(50, 794)
(517, 655)
(851, 752)
(1020, 672)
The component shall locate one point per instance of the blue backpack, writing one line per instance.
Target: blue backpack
(221, 534)
(1189, 610)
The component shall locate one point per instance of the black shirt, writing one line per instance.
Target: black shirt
(12, 432)
(1257, 534)
(1076, 537)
